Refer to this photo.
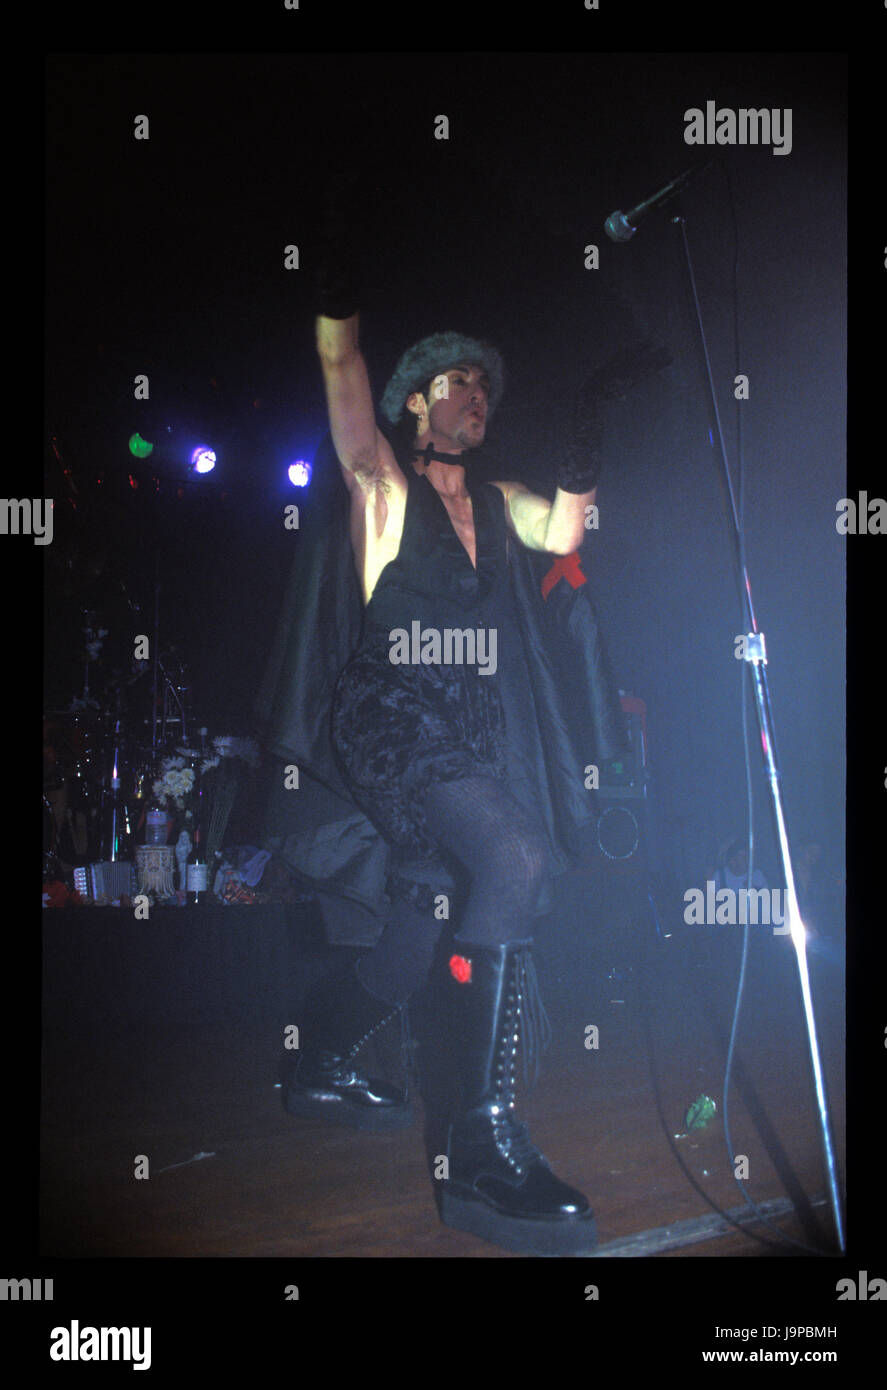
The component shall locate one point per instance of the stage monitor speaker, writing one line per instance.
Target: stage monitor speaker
(621, 833)
(621, 839)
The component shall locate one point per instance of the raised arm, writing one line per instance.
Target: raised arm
(364, 452)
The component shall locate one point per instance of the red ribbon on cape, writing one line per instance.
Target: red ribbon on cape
(564, 567)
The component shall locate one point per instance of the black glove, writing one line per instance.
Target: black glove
(580, 468)
(335, 250)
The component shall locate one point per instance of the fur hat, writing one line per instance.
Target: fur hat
(425, 359)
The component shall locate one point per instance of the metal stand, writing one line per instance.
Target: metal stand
(171, 696)
(156, 659)
(113, 851)
(757, 656)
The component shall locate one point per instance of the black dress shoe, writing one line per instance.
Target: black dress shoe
(341, 1016)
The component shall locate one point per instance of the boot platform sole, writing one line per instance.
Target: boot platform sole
(572, 1235)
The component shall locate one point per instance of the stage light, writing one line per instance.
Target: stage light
(203, 459)
(139, 446)
(299, 473)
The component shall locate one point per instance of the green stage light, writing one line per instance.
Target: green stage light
(139, 446)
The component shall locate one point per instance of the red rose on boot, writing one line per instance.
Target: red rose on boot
(460, 969)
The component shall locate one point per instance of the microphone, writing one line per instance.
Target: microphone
(621, 226)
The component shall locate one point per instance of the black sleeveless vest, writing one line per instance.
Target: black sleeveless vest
(432, 578)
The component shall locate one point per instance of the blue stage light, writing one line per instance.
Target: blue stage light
(203, 459)
(299, 473)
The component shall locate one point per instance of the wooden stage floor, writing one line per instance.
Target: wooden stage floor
(269, 1185)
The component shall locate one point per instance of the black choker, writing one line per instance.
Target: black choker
(429, 453)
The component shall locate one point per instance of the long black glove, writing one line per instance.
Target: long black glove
(580, 468)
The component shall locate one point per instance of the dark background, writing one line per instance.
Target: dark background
(165, 257)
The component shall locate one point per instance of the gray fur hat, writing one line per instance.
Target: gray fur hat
(424, 360)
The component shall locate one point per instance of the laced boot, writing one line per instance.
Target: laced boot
(498, 1185)
(341, 1015)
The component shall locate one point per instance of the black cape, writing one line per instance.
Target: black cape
(565, 716)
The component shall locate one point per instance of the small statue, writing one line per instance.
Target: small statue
(183, 849)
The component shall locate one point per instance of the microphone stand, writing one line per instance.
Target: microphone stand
(756, 654)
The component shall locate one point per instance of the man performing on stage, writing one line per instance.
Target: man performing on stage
(459, 693)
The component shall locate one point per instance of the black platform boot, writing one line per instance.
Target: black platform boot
(341, 1015)
(498, 1185)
